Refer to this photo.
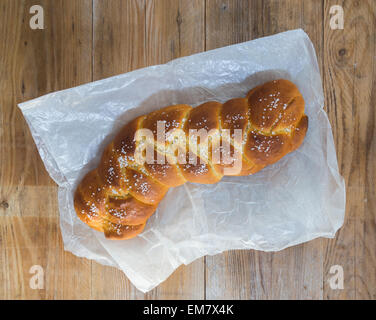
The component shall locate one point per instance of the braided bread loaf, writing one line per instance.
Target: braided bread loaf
(120, 195)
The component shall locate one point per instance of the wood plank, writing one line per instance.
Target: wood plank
(130, 35)
(136, 33)
(297, 272)
(350, 82)
(252, 274)
(119, 37)
(25, 246)
(228, 274)
(33, 63)
(339, 61)
(364, 115)
(365, 101)
(175, 29)
(119, 40)
(228, 22)
(26, 201)
(36, 241)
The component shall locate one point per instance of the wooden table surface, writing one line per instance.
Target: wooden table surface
(86, 40)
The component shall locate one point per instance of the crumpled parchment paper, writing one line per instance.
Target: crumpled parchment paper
(300, 198)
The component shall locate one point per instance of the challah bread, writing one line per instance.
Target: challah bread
(120, 195)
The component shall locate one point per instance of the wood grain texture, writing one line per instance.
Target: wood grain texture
(33, 63)
(130, 35)
(119, 46)
(175, 29)
(88, 40)
(349, 82)
(295, 273)
(119, 37)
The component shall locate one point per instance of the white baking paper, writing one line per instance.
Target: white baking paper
(300, 198)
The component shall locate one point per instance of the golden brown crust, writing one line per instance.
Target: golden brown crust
(166, 173)
(120, 195)
(128, 210)
(234, 114)
(171, 115)
(122, 232)
(143, 187)
(275, 106)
